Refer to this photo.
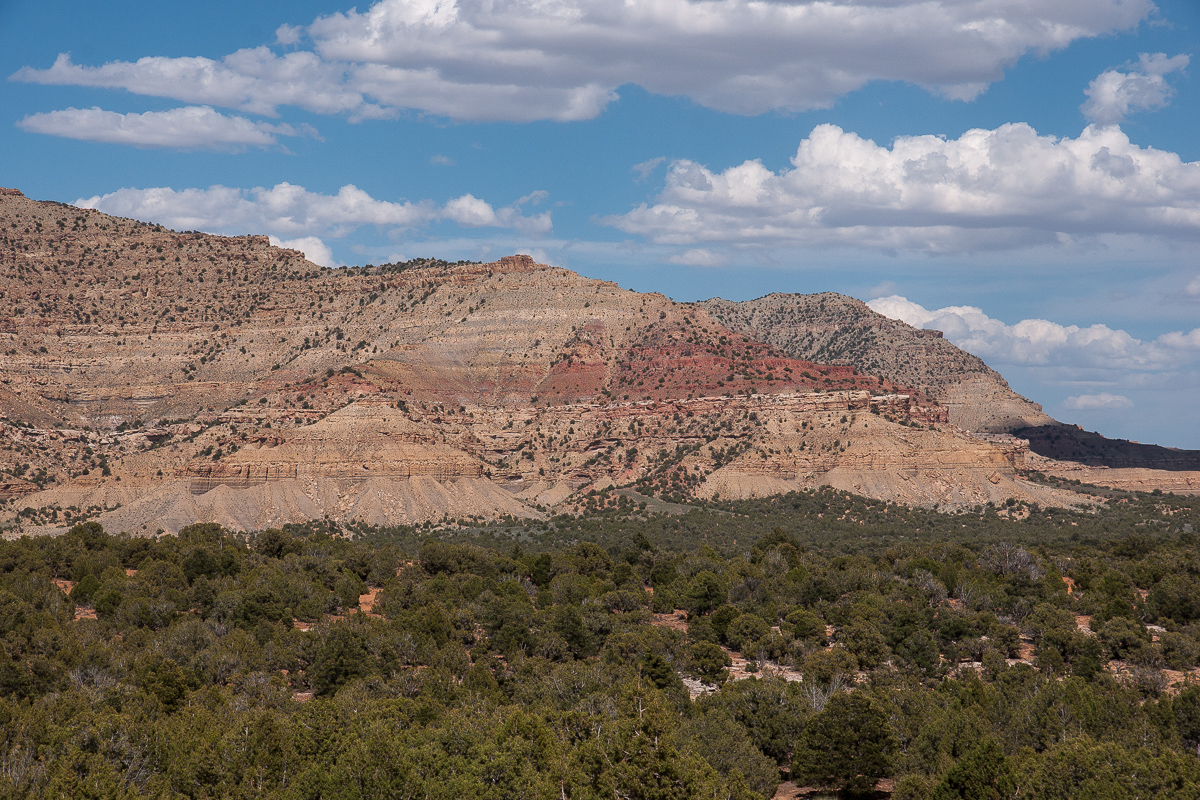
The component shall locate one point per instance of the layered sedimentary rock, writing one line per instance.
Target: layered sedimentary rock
(155, 378)
(358, 443)
(832, 328)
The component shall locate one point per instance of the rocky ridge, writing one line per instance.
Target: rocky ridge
(1072, 443)
(158, 378)
(835, 329)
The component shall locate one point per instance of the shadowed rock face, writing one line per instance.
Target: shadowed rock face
(158, 378)
(1071, 443)
(835, 329)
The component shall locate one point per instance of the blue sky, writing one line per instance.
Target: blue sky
(1023, 175)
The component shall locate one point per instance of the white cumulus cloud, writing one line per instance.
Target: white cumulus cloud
(1113, 95)
(697, 257)
(1101, 401)
(288, 34)
(986, 190)
(312, 247)
(287, 210)
(522, 60)
(471, 212)
(1039, 342)
(191, 128)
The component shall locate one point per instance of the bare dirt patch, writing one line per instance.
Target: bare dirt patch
(788, 790)
(676, 620)
(741, 667)
(366, 602)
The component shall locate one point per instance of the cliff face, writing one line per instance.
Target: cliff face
(156, 378)
(836, 329)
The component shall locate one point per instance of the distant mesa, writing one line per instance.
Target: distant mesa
(1071, 443)
(153, 378)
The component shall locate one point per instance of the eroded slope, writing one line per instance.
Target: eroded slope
(156, 378)
(835, 329)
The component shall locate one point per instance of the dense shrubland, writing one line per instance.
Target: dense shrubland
(522, 659)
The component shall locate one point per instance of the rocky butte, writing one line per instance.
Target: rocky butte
(153, 378)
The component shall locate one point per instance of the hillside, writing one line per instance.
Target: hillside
(157, 377)
(835, 329)
(1072, 443)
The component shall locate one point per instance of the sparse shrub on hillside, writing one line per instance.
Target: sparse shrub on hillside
(528, 650)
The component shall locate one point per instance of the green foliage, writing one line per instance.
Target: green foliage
(983, 774)
(772, 711)
(847, 746)
(1187, 716)
(703, 593)
(519, 659)
(342, 657)
(708, 662)
(806, 626)
(1082, 769)
(1124, 638)
(83, 591)
(746, 630)
(726, 745)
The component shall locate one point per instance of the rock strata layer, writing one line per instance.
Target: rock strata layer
(836, 329)
(151, 378)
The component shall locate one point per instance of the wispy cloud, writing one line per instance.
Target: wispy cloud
(644, 169)
(255, 80)
(289, 211)
(1101, 401)
(191, 128)
(697, 257)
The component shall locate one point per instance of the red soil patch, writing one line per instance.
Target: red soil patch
(676, 620)
(1177, 680)
(366, 602)
(81, 612)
